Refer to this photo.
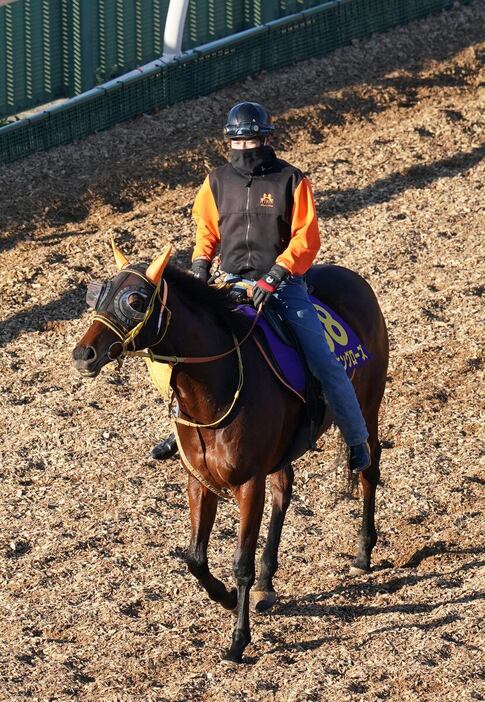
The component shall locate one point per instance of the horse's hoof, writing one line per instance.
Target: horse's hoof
(231, 657)
(356, 572)
(262, 600)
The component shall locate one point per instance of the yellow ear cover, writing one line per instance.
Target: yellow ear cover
(120, 258)
(155, 269)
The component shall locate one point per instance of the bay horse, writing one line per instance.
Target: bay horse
(234, 441)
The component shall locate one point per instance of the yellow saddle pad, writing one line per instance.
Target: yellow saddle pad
(160, 373)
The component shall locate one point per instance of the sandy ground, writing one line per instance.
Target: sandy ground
(96, 603)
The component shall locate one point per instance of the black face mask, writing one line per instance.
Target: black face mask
(250, 162)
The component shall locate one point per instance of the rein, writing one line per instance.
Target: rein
(240, 383)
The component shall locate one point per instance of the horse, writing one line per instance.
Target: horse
(236, 420)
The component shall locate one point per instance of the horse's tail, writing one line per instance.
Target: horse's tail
(347, 482)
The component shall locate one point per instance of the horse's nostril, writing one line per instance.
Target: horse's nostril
(89, 353)
(84, 353)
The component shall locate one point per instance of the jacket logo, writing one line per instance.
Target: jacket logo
(267, 200)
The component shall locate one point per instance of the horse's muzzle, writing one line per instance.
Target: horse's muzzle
(86, 361)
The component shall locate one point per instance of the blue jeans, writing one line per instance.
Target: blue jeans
(296, 308)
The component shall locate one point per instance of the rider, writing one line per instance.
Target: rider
(260, 210)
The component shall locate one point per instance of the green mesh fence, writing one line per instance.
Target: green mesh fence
(208, 20)
(30, 54)
(311, 33)
(60, 48)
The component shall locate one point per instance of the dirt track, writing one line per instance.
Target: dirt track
(96, 602)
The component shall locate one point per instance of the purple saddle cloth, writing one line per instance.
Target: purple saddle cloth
(343, 341)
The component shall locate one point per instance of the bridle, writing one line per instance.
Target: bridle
(127, 338)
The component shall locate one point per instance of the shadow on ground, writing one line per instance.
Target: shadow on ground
(331, 202)
(121, 168)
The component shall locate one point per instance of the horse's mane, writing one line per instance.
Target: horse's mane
(215, 300)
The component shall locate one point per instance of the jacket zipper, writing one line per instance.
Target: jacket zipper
(247, 229)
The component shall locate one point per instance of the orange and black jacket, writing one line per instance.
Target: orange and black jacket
(267, 219)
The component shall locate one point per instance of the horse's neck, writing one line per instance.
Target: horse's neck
(202, 388)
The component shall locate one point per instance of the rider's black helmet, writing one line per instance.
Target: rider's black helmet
(248, 120)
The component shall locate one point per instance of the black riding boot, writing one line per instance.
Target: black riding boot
(165, 449)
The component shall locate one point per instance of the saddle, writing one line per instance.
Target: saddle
(238, 290)
(281, 350)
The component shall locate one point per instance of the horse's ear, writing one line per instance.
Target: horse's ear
(120, 258)
(155, 269)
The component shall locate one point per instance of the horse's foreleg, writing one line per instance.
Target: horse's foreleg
(263, 595)
(251, 503)
(203, 508)
(369, 479)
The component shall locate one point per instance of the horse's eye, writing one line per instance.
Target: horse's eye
(136, 302)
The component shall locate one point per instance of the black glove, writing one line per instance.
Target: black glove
(201, 269)
(268, 284)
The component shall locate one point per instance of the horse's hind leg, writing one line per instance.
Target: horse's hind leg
(369, 479)
(251, 503)
(203, 508)
(263, 596)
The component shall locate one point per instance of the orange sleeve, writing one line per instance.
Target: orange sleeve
(206, 216)
(305, 238)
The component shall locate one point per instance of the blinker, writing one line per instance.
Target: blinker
(123, 304)
(96, 293)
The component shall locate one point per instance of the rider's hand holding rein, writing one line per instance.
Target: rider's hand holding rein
(268, 284)
(201, 269)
